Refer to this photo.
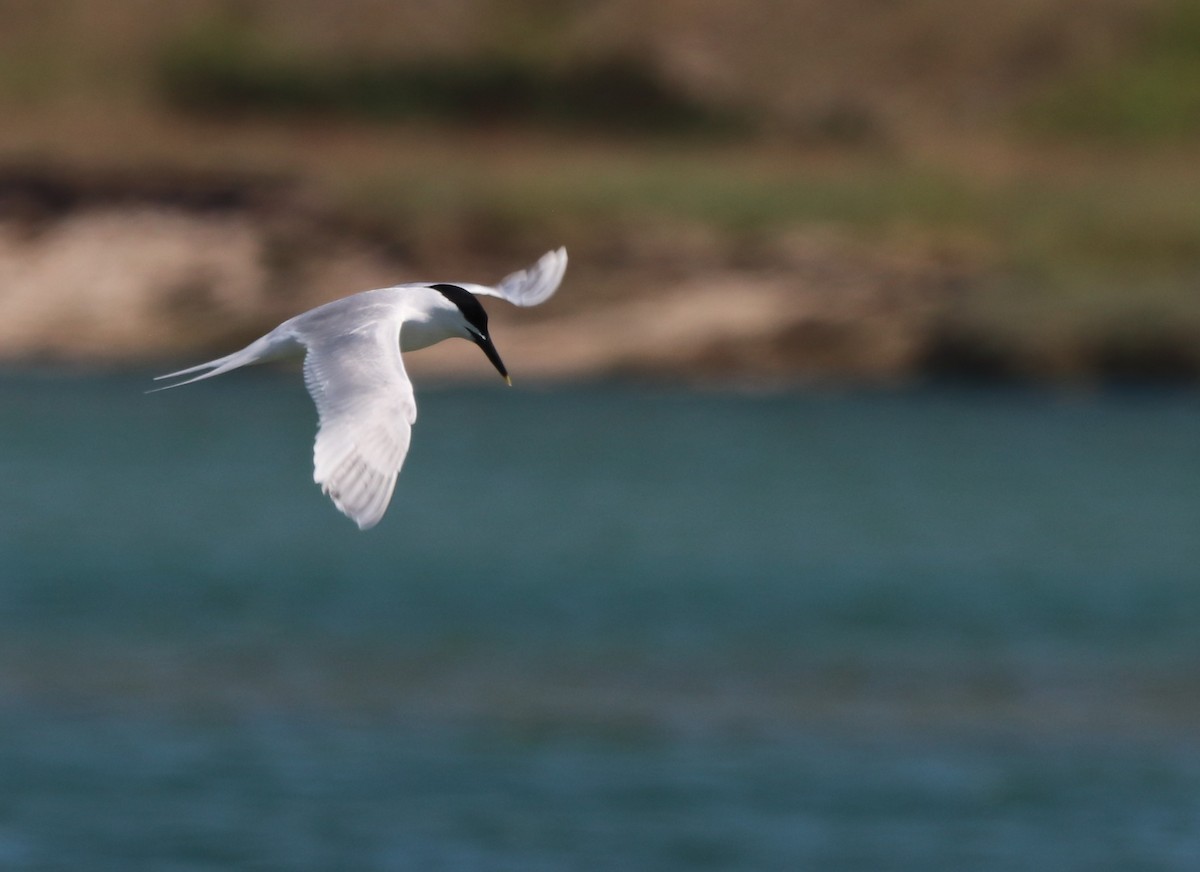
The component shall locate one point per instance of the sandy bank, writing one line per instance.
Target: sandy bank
(124, 269)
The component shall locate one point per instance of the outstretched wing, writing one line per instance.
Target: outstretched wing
(366, 407)
(531, 286)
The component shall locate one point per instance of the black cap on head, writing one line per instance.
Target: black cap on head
(467, 303)
(475, 315)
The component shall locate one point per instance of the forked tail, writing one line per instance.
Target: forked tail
(274, 344)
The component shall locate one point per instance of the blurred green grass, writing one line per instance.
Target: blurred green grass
(1139, 223)
(1148, 91)
(223, 68)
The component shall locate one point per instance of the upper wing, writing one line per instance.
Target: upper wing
(366, 408)
(531, 286)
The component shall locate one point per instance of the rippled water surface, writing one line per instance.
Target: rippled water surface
(601, 628)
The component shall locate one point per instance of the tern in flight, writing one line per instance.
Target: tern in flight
(355, 372)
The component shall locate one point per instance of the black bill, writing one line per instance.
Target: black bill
(489, 349)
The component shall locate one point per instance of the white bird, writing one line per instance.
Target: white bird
(355, 373)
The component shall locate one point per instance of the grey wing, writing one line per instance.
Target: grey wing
(366, 407)
(531, 286)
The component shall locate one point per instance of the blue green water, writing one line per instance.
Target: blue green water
(601, 628)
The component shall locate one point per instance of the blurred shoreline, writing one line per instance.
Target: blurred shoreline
(122, 267)
(787, 193)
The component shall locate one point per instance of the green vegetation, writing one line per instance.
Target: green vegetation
(1150, 92)
(1117, 224)
(225, 69)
